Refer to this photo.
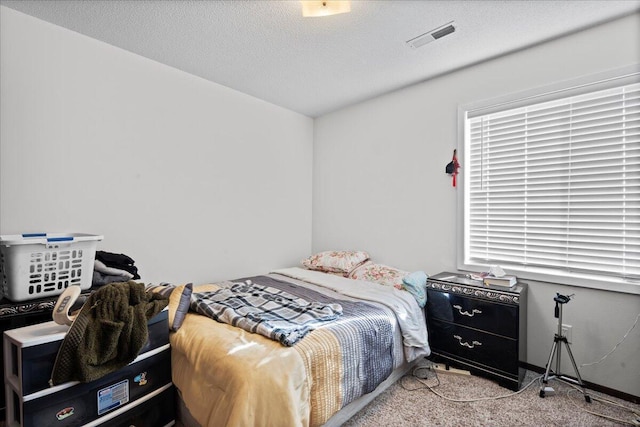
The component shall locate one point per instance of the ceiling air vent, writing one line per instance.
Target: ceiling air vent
(432, 35)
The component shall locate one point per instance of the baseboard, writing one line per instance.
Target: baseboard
(595, 387)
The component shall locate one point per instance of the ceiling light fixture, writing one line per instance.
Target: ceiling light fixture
(432, 35)
(324, 8)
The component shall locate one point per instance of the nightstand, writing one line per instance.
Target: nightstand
(479, 328)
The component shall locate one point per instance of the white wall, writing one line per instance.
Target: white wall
(193, 180)
(379, 185)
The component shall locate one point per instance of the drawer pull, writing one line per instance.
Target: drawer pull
(466, 313)
(466, 344)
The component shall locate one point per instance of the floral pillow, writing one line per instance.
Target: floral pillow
(379, 273)
(340, 262)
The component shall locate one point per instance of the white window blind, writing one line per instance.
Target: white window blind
(556, 185)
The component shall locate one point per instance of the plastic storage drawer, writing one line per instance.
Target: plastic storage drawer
(30, 354)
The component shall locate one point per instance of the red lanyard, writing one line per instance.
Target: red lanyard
(456, 166)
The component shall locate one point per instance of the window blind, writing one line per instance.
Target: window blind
(555, 185)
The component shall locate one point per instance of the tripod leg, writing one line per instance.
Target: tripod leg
(545, 378)
(548, 368)
(575, 368)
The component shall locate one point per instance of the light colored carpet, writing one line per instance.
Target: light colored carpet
(408, 403)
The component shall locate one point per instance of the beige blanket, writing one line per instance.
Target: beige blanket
(229, 377)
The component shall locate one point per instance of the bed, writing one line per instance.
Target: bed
(226, 376)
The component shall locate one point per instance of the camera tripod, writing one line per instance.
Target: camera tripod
(556, 350)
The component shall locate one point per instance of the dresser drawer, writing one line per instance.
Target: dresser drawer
(156, 411)
(488, 316)
(87, 402)
(474, 346)
(32, 351)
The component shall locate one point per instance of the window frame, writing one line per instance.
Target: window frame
(585, 84)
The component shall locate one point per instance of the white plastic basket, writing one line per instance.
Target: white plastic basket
(45, 264)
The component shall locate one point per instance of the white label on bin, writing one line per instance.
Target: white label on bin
(113, 396)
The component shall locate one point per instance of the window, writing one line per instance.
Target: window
(552, 185)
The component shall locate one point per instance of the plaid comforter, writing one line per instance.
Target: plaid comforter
(265, 310)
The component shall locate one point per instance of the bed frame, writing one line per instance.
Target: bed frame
(344, 414)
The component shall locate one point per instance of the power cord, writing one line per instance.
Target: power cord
(616, 346)
(420, 373)
(418, 377)
(429, 368)
(635, 421)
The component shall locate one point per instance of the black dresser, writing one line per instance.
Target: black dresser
(479, 328)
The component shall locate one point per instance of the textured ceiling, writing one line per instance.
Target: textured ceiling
(317, 65)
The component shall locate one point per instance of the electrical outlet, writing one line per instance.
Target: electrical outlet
(566, 331)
